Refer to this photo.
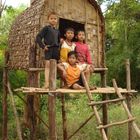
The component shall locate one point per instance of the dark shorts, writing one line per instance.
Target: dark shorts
(79, 82)
(52, 53)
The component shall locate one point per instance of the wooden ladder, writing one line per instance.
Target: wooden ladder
(93, 104)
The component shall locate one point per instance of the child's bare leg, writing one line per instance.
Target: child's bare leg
(87, 73)
(77, 86)
(47, 70)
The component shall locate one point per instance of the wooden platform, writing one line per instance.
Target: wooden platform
(99, 90)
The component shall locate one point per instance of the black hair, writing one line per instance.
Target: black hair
(69, 29)
(79, 31)
(72, 53)
(77, 35)
(52, 13)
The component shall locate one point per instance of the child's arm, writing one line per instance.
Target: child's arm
(89, 60)
(61, 67)
(40, 36)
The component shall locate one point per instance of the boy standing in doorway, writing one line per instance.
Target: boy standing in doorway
(48, 39)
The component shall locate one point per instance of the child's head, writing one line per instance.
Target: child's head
(72, 57)
(81, 36)
(69, 33)
(52, 18)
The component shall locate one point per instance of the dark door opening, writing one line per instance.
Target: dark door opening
(64, 23)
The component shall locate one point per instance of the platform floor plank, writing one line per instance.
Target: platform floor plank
(99, 90)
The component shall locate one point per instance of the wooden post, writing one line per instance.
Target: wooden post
(4, 104)
(64, 118)
(30, 114)
(19, 133)
(51, 101)
(33, 81)
(128, 98)
(4, 99)
(104, 97)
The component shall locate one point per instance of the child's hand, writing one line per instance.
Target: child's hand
(91, 67)
(61, 41)
(46, 48)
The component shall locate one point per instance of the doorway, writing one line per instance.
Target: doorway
(64, 23)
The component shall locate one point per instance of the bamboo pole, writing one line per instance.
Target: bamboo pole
(126, 108)
(64, 118)
(128, 98)
(19, 133)
(104, 98)
(51, 101)
(4, 99)
(106, 102)
(98, 38)
(4, 105)
(31, 118)
(116, 123)
(93, 107)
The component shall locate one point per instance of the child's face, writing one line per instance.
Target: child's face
(69, 35)
(72, 59)
(53, 20)
(81, 36)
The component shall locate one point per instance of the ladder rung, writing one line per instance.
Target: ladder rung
(107, 101)
(116, 123)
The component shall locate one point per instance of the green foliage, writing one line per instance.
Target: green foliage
(123, 31)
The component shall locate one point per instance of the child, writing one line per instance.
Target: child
(83, 54)
(67, 45)
(71, 71)
(48, 39)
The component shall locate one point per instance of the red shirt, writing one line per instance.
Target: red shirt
(83, 53)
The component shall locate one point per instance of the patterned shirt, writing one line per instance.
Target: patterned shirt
(65, 49)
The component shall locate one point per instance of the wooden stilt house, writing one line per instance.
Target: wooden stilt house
(24, 54)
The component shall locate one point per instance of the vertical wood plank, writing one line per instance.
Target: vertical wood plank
(51, 101)
(64, 118)
(4, 99)
(104, 106)
(128, 98)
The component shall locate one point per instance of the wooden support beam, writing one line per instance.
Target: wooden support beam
(51, 101)
(99, 90)
(128, 98)
(4, 104)
(126, 108)
(42, 69)
(4, 98)
(106, 102)
(64, 117)
(115, 123)
(104, 98)
(19, 133)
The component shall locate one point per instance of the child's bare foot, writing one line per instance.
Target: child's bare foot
(93, 87)
(77, 86)
(46, 86)
(65, 86)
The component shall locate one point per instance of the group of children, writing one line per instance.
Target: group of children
(72, 57)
